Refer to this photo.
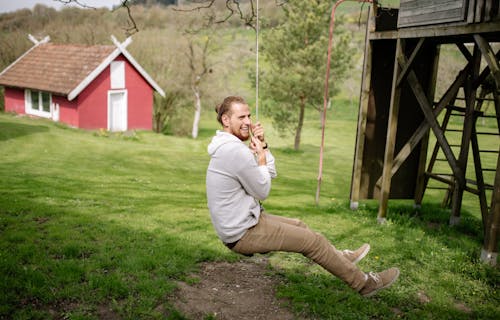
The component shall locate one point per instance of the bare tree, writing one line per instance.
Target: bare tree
(238, 8)
(233, 8)
(199, 66)
(131, 27)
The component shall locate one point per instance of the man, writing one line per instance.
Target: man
(239, 177)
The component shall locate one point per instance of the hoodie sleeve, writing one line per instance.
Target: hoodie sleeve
(255, 179)
(270, 165)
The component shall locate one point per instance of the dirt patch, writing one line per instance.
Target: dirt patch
(243, 290)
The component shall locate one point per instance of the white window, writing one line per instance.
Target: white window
(117, 75)
(38, 103)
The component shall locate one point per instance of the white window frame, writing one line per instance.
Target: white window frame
(38, 110)
(117, 70)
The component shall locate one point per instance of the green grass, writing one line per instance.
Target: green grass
(92, 221)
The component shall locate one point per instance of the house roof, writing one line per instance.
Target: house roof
(65, 69)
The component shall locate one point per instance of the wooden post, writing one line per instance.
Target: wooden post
(424, 145)
(490, 58)
(362, 115)
(422, 130)
(470, 100)
(478, 168)
(391, 135)
(489, 253)
(426, 107)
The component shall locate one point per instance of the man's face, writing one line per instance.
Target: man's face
(238, 123)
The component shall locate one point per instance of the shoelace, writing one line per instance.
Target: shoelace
(375, 277)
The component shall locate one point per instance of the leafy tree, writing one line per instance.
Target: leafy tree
(164, 110)
(296, 53)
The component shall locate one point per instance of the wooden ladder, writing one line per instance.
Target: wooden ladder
(477, 186)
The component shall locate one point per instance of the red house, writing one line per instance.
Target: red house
(88, 87)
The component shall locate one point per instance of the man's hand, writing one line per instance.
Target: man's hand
(258, 131)
(257, 147)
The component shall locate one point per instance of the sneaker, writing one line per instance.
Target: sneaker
(379, 281)
(357, 255)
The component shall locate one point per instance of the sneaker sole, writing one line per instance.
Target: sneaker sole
(386, 286)
(362, 255)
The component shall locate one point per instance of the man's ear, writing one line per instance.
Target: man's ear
(225, 120)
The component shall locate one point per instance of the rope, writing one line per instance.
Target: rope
(325, 97)
(257, 64)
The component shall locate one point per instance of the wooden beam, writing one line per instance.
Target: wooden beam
(464, 51)
(441, 33)
(496, 95)
(471, 13)
(362, 116)
(479, 11)
(490, 248)
(433, 158)
(407, 67)
(484, 74)
(487, 10)
(421, 181)
(479, 178)
(426, 107)
(421, 131)
(490, 58)
(391, 135)
(489, 253)
(468, 124)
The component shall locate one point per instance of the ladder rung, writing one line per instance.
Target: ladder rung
(477, 98)
(441, 174)
(454, 130)
(440, 177)
(471, 190)
(487, 133)
(437, 188)
(462, 113)
(490, 116)
(488, 151)
(441, 159)
(474, 182)
(455, 145)
(456, 108)
(489, 170)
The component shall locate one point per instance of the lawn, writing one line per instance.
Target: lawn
(92, 221)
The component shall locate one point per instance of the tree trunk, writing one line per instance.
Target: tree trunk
(298, 132)
(158, 123)
(197, 113)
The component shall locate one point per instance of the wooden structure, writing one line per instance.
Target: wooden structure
(399, 110)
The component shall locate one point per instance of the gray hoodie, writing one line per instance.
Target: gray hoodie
(235, 184)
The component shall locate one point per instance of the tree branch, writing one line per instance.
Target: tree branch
(132, 26)
(78, 2)
(234, 8)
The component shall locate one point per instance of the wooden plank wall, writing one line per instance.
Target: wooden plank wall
(377, 115)
(425, 12)
(483, 11)
(429, 12)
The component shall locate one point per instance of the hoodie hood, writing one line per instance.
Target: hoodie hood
(221, 138)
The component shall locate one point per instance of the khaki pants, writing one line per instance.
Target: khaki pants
(275, 233)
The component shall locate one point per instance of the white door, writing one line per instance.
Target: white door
(117, 111)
